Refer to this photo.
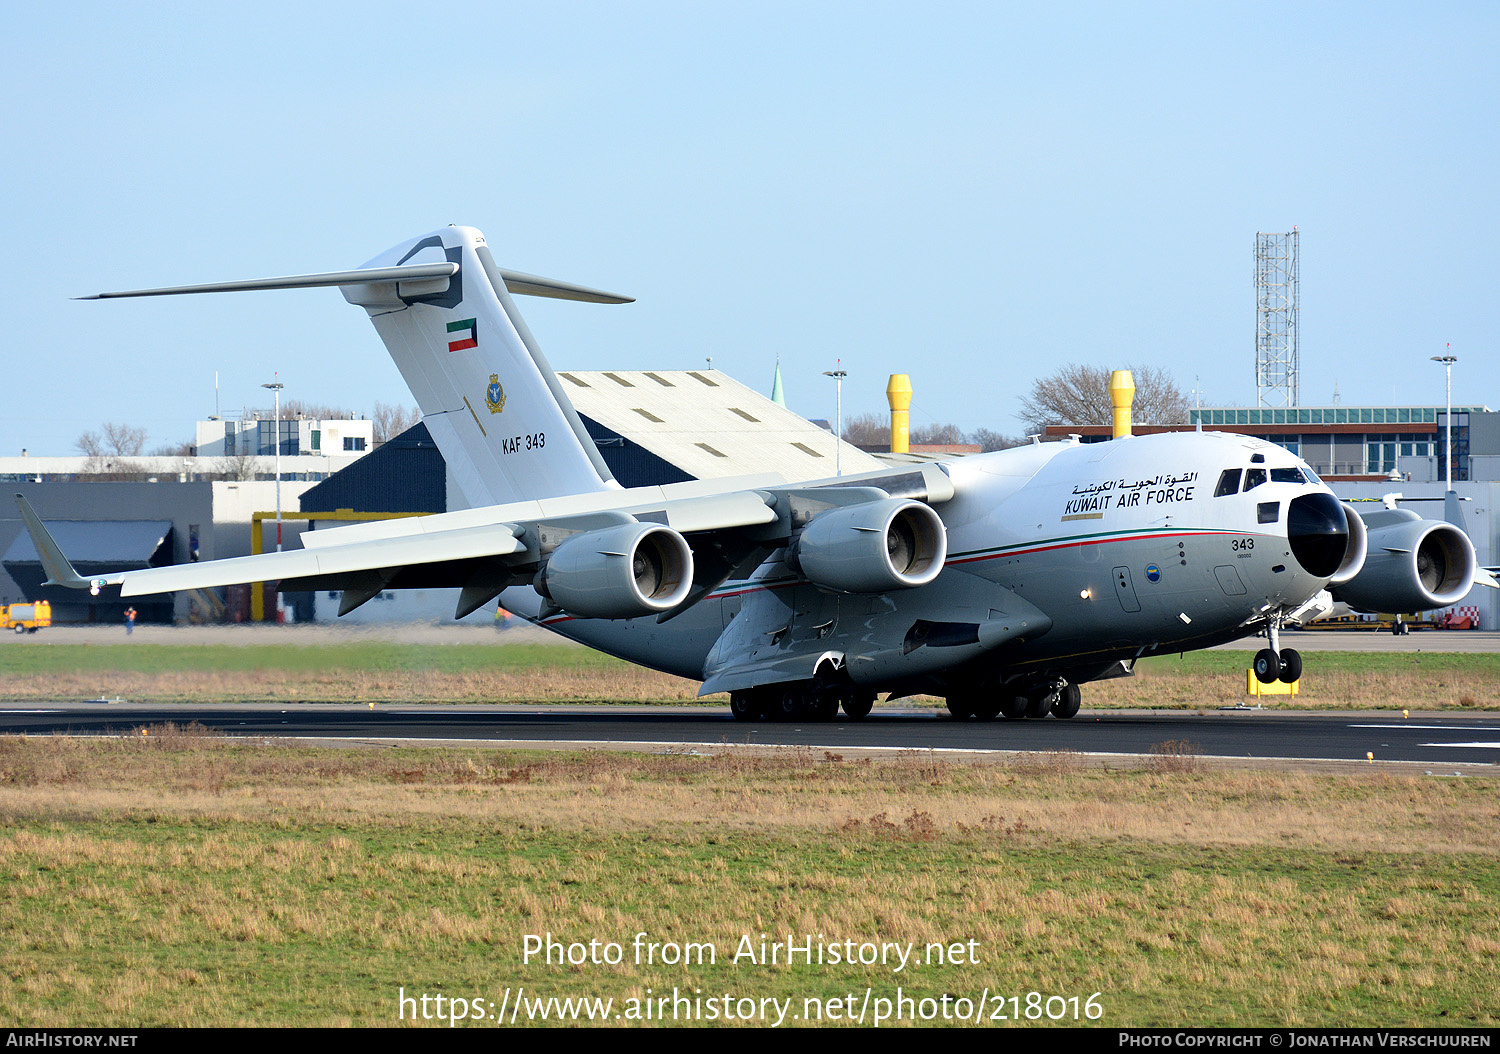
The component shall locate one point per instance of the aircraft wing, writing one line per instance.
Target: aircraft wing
(609, 554)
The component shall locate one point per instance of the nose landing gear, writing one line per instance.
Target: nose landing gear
(1272, 664)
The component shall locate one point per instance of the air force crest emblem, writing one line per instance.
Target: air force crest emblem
(494, 395)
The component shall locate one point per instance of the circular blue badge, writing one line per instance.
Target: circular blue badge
(1153, 573)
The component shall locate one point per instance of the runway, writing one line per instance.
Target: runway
(1441, 743)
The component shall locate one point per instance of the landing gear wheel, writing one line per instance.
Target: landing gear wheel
(1267, 666)
(1013, 707)
(960, 706)
(746, 705)
(1291, 666)
(825, 706)
(1068, 702)
(857, 705)
(1040, 704)
(791, 704)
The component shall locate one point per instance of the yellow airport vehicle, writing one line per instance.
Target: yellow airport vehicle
(26, 618)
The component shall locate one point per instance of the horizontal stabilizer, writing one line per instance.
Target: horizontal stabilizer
(517, 282)
(363, 276)
(533, 285)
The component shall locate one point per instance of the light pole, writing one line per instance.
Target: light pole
(838, 436)
(1448, 361)
(276, 388)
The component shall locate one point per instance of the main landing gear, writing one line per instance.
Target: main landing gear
(801, 701)
(1059, 698)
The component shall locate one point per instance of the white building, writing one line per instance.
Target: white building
(240, 450)
(300, 437)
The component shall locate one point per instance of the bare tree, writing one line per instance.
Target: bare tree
(1079, 395)
(124, 440)
(112, 440)
(237, 467)
(937, 435)
(988, 439)
(873, 430)
(391, 420)
(867, 429)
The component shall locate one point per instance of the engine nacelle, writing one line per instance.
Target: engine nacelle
(619, 572)
(1357, 551)
(895, 543)
(1413, 566)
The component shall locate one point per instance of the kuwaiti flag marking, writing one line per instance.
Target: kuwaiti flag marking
(465, 325)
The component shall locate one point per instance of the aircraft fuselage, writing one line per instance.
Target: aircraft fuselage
(1123, 548)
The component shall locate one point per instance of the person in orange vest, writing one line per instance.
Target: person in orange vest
(129, 621)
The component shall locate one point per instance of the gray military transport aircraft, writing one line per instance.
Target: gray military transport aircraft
(1000, 581)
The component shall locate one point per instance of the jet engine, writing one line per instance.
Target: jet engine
(619, 572)
(874, 546)
(1413, 565)
(1357, 551)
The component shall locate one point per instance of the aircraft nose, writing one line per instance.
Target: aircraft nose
(1318, 533)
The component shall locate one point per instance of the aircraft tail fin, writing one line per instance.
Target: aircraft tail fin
(487, 394)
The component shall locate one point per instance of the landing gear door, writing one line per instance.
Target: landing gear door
(1125, 589)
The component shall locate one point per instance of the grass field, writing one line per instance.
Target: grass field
(181, 878)
(473, 673)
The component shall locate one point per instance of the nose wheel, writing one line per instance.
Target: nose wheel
(1274, 664)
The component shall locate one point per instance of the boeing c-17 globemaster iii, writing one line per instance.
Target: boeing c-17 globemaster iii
(1001, 581)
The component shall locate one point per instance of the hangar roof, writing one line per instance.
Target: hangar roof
(128, 543)
(708, 424)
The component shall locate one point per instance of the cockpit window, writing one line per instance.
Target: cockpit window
(1229, 482)
(1254, 477)
(1287, 475)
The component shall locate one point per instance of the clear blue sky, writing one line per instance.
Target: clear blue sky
(972, 194)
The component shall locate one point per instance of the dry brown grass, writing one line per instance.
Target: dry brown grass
(1173, 801)
(182, 877)
(342, 685)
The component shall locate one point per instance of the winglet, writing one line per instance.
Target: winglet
(59, 571)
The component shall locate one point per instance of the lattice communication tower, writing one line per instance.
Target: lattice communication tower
(1276, 294)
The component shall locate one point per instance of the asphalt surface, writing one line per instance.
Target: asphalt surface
(1442, 744)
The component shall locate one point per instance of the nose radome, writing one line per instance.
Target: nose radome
(1318, 533)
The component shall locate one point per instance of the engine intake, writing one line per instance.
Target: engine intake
(873, 547)
(627, 571)
(1413, 566)
(1357, 551)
